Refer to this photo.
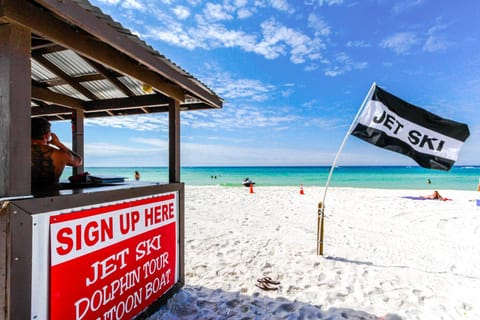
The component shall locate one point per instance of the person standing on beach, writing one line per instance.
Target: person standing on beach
(49, 156)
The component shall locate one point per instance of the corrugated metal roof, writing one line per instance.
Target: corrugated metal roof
(40, 73)
(134, 85)
(70, 63)
(97, 80)
(103, 89)
(109, 20)
(68, 91)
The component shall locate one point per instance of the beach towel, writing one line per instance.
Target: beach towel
(414, 198)
(423, 198)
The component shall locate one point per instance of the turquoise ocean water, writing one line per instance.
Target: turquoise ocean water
(390, 177)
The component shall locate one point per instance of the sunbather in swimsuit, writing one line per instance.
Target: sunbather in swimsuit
(435, 196)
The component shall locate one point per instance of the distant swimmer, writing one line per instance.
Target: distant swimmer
(429, 181)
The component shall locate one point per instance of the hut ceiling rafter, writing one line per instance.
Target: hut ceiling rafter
(83, 60)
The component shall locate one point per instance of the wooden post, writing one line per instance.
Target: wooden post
(321, 205)
(15, 110)
(321, 215)
(174, 141)
(78, 117)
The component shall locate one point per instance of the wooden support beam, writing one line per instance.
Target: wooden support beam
(82, 78)
(15, 153)
(173, 141)
(111, 76)
(90, 77)
(40, 43)
(50, 110)
(101, 108)
(48, 96)
(52, 48)
(194, 106)
(78, 138)
(126, 103)
(25, 13)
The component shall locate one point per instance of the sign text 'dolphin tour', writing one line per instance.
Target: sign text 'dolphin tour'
(113, 261)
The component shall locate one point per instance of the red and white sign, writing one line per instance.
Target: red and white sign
(112, 262)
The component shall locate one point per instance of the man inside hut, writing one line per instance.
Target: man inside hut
(49, 156)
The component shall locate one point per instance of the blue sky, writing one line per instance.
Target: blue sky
(293, 74)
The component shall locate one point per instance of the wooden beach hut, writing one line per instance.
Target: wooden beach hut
(103, 250)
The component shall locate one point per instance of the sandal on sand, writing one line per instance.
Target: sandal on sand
(268, 280)
(266, 286)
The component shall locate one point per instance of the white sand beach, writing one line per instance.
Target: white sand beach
(385, 256)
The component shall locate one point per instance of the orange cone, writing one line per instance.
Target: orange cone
(301, 189)
(251, 188)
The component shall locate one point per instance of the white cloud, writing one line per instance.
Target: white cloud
(136, 152)
(405, 5)
(114, 2)
(178, 37)
(322, 2)
(404, 42)
(229, 154)
(216, 12)
(287, 92)
(240, 3)
(240, 113)
(434, 43)
(211, 35)
(137, 123)
(321, 28)
(157, 143)
(247, 117)
(209, 30)
(324, 123)
(96, 149)
(181, 12)
(329, 2)
(342, 64)
(244, 13)
(311, 67)
(401, 42)
(358, 44)
(435, 39)
(133, 4)
(281, 5)
(279, 39)
(242, 89)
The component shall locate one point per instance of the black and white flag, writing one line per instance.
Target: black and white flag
(391, 123)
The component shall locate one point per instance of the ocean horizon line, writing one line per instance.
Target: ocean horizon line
(461, 177)
(292, 166)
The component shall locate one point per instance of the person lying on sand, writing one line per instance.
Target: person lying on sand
(435, 196)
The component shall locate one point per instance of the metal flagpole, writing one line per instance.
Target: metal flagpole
(321, 204)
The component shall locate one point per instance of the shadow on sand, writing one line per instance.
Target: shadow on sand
(194, 302)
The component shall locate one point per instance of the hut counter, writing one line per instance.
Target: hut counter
(90, 259)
